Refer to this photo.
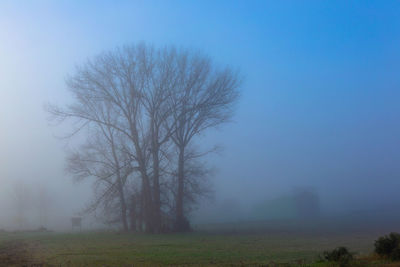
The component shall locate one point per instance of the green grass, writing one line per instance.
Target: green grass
(192, 249)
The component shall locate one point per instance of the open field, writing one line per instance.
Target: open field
(191, 249)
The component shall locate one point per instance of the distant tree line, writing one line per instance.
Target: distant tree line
(142, 109)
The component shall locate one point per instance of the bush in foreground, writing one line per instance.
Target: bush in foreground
(340, 255)
(388, 246)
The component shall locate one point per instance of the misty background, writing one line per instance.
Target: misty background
(319, 107)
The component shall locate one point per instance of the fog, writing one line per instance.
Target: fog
(319, 107)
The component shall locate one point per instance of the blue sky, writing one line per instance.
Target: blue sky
(320, 98)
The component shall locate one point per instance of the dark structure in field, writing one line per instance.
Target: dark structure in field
(76, 222)
(300, 204)
(307, 204)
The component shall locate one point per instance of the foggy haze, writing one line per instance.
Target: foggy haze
(319, 105)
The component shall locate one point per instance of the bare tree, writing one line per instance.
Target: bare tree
(102, 157)
(196, 182)
(204, 98)
(157, 100)
(116, 80)
(162, 80)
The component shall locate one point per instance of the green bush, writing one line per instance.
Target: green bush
(340, 255)
(388, 246)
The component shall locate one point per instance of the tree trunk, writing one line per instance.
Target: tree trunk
(155, 149)
(133, 215)
(123, 204)
(181, 223)
(141, 215)
(157, 201)
(146, 187)
(120, 189)
(147, 204)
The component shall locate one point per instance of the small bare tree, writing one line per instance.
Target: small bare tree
(103, 158)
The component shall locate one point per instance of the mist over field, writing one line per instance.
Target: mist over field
(314, 134)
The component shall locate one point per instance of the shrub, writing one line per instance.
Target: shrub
(340, 255)
(388, 246)
(395, 255)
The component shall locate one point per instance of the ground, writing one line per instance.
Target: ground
(191, 249)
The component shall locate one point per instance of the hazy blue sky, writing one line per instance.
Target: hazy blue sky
(320, 99)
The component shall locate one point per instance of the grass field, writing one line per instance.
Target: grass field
(191, 249)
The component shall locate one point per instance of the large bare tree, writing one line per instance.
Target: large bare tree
(204, 98)
(158, 100)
